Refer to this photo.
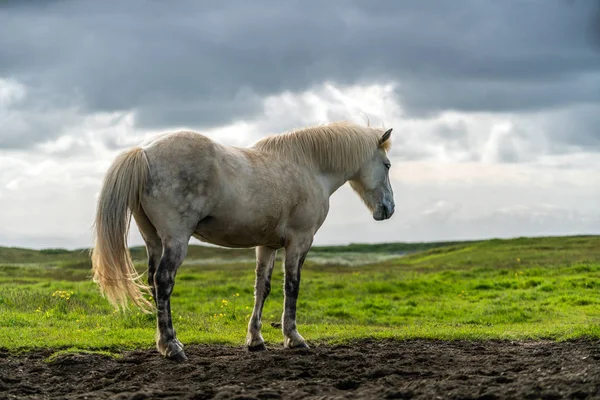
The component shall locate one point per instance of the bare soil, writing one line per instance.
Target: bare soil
(414, 369)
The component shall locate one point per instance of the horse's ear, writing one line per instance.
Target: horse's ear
(385, 136)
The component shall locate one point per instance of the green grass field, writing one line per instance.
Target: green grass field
(542, 288)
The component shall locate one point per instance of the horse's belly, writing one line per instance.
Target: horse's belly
(227, 234)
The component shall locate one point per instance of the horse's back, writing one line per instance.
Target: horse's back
(179, 144)
(229, 196)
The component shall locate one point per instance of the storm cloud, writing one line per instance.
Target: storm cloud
(203, 64)
(495, 105)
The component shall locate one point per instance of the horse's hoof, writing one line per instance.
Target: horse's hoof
(301, 345)
(179, 357)
(258, 347)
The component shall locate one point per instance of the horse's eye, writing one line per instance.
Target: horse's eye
(388, 165)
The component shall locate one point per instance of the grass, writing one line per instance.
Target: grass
(541, 288)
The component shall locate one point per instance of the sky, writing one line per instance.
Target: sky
(494, 105)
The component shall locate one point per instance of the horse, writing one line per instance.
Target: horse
(271, 195)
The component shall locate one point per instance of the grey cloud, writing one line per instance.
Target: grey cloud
(207, 63)
(594, 25)
(453, 138)
(576, 127)
(24, 128)
(426, 97)
(506, 151)
(203, 112)
(510, 144)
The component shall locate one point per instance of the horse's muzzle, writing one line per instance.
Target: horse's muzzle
(383, 211)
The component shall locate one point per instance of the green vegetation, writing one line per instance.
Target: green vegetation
(505, 289)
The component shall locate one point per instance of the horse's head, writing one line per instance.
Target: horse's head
(372, 181)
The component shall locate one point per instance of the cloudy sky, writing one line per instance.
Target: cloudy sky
(495, 105)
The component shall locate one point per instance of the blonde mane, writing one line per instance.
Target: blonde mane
(335, 147)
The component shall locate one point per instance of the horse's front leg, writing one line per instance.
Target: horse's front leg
(265, 259)
(294, 259)
(164, 282)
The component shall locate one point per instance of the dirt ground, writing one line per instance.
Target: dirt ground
(416, 369)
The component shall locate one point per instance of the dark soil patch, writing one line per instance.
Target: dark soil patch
(415, 369)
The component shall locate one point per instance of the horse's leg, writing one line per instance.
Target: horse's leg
(174, 252)
(154, 246)
(265, 259)
(294, 259)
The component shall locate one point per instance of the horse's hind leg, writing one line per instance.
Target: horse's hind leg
(154, 246)
(174, 252)
(265, 259)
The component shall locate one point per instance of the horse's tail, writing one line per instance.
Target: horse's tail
(112, 265)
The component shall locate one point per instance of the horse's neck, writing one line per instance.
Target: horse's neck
(332, 181)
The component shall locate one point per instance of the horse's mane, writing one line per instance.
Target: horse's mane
(335, 147)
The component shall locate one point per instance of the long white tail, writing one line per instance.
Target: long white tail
(112, 265)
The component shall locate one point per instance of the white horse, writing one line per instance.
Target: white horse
(272, 195)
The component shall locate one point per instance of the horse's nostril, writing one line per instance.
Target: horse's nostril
(388, 210)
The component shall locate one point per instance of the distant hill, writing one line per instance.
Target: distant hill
(80, 258)
(15, 255)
